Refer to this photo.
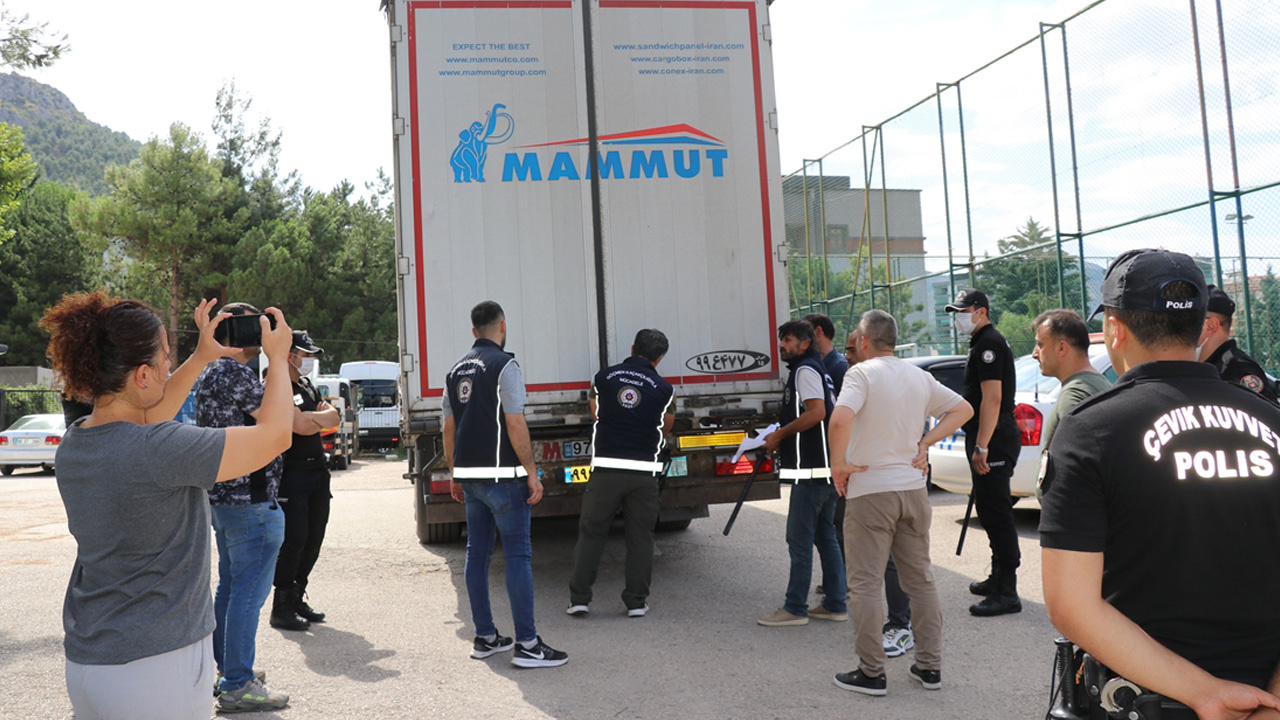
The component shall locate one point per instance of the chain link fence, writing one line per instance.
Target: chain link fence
(1132, 123)
(16, 402)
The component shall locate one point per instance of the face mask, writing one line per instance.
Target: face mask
(306, 366)
(1199, 350)
(964, 323)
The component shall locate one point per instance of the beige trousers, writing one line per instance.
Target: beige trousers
(875, 526)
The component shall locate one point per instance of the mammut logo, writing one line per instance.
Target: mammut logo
(473, 145)
(680, 150)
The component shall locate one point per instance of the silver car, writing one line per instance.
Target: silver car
(32, 441)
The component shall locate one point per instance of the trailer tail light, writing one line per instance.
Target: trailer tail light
(328, 445)
(1030, 422)
(713, 440)
(53, 440)
(744, 466)
(440, 482)
(3, 441)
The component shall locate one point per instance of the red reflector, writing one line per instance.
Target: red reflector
(328, 445)
(742, 467)
(53, 440)
(1030, 422)
(4, 440)
(440, 487)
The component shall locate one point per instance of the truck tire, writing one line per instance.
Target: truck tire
(6, 470)
(342, 463)
(673, 525)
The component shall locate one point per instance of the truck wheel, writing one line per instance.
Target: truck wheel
(342, 462)
(6, 470)
(673, 525)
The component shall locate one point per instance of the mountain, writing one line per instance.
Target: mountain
(70, 148)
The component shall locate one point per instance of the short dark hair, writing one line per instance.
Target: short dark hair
(1165, 328)
(239, 308)
(798, 329)
(650, 344)
(821, 322)
(879, 327)
(1064, 325)
(486, 314)
(1223, 320)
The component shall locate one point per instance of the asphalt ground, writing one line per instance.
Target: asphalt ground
(398, 635)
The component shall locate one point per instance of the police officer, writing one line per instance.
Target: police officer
(1219, 349)
(1161, 509)
(494, 474)
(634, 409)
(992, 443)
(304, 491)
(801, 444)
(824, 332)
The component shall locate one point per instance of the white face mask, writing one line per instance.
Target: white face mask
(964, 323)
(306, 366)
(1199, 351)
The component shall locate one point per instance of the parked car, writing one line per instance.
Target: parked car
(32, 441)
(1034, 399)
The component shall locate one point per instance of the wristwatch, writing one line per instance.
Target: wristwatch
(979, 450)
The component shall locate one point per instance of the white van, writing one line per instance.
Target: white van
(378, 403)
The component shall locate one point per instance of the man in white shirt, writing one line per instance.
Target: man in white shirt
(875, 433)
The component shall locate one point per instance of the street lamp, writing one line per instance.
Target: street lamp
(1235, 218)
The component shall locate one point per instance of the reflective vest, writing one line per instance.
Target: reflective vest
(632, 401)
(481, 446)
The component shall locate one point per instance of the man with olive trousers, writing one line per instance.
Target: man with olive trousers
(634, 409)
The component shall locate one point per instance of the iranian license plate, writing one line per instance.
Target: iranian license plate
(577, 474)
(576, 448)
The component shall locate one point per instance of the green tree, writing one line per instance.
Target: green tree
(1027, 284)
(843, 295)
(162, 212)
(26, 44)
(43, 261)
(17, 172)
(1266, 322)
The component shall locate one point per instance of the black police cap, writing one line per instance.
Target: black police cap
(967, 298)
(1136, 280)
(302, 341)
(1220, 302)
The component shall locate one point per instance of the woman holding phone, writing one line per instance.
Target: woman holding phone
(138, 614)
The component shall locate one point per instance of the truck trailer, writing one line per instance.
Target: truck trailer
(596, 167)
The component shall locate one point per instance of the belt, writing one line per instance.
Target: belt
(496, 474)
(649, 466)
(310, 463)
(823, 474)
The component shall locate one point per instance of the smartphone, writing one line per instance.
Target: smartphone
(242, 330)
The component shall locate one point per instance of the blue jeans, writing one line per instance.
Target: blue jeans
(249, 538)
(810, 522)
(500, 510)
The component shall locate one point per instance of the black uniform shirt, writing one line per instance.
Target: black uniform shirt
(305, 447)
(990, 358)
(1172, 474)
(1234, 365)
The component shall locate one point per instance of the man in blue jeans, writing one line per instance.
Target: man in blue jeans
(248, 525)
(801, 444)
(494, 474)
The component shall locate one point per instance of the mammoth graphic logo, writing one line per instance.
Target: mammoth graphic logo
(473, 145)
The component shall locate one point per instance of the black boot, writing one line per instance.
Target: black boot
(305, 611)
(985, 587)
(1003, 598)
(284, 611)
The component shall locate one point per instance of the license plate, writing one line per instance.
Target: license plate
(577, 474)
(576, 448)
(679, 467)
(26, 441)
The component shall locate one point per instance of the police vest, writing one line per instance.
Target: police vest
(632, 401)
(481, 445)
(804, 456)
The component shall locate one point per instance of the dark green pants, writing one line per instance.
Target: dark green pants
(636, 494)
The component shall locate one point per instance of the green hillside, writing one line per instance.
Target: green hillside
(70, 148)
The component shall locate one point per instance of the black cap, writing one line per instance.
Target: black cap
(1137, 278)
(1220, 302)
(302, 341)
(967, 298)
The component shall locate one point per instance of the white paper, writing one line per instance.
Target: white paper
(751, 443)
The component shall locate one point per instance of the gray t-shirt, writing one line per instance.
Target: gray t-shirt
(137, 504)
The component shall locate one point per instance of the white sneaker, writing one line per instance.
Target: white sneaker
(897, 641)
(638, 611)
(577, 610)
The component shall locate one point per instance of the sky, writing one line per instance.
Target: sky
(320, 70)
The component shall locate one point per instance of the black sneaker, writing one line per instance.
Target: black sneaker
(930, 679)
(541, 655)
(482, 648)
(860, 683)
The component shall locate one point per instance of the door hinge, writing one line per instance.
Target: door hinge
(397, 126)
(402, 265)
